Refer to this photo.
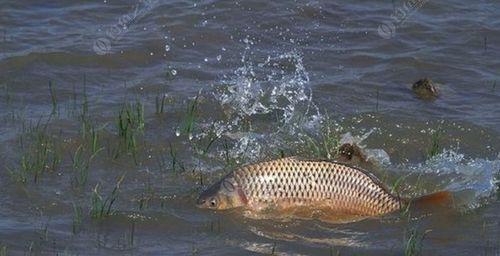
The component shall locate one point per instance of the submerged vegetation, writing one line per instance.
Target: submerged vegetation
(188, 124)
(435, 145)
(413, 242)
(77, 218)
(160, 101)
(41, 154)
(81, 164)
(130, 125)
(73, 155)
(53, 98)
(102, 207)
(326, 144)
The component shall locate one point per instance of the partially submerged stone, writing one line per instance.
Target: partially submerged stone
(353, 152)
(353, 155)
(425, 88)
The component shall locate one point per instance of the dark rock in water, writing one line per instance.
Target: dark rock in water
(425, 88)
(351, 153)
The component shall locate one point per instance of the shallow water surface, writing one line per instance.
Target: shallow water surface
(115, 115)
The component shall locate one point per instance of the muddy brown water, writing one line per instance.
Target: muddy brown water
(266, 77)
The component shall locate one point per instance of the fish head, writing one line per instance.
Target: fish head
(225, 194)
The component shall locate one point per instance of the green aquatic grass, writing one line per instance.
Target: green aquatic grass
(417, 188)
(91, 136)
(210, 139)
(77, 219)
(162, 162)
(94, 141)
(160, 102)
(396, 186)
(146, 197)
(189, 122)
(84, 114)
(203, 145)
(74, 100)
(102, 207)
(168, 160)
(130, 123)
(435, 146)
(131, 117)
(53, 98)
(132, 234)
(89, 132)
(413, 242)
(175, 163)
(326, 144)
(29, 128)
(173, 157)
(81, 164)
(41, 155)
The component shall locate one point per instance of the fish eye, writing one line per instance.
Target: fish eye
(213, 202)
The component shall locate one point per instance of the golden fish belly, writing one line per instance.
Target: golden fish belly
(289, 183)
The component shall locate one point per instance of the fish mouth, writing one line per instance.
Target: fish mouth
(200, 203)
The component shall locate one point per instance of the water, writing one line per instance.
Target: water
(266, 77)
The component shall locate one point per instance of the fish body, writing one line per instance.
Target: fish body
(292, 183)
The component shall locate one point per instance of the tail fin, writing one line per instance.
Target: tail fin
(441, 199)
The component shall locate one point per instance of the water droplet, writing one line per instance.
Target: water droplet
(219, 57)
(151, 54)
(173, 72)
(167, 47)
(206, 59)
(177, 132)
(190, 136)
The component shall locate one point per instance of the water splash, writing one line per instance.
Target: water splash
(277, 88)
(475, 180)
(279, 84)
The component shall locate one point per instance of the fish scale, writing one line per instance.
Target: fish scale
(291, 182)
